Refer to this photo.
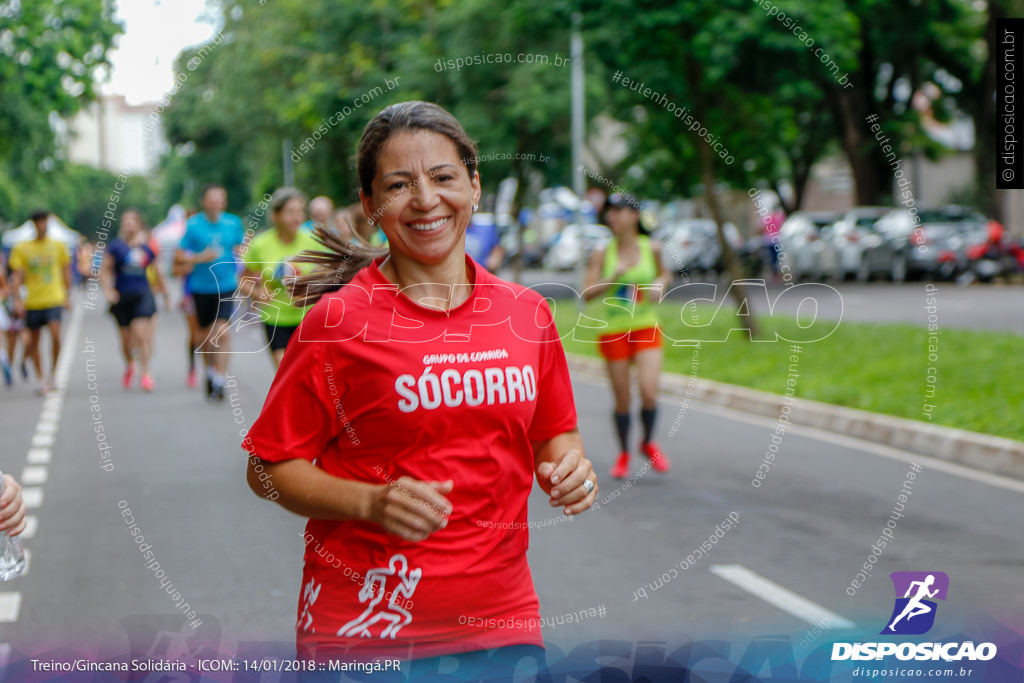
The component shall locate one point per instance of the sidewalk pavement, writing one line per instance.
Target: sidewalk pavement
(971, 449)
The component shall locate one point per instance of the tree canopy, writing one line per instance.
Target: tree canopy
(776, 85)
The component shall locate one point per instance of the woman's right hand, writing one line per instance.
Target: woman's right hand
(411, 508)
(207, 255)
(113, 296)
(12, 507)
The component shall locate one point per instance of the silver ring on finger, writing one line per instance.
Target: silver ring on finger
(588, 485)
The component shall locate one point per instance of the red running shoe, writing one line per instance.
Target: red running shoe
(147, 383)
(126, 380)
(621, 468)
(191, 381)
(658, 460)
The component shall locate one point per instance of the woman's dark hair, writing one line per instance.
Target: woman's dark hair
(38, 214)
(415, 115)
(342, 259)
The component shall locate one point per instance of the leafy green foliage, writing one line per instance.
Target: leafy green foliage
(49, 53)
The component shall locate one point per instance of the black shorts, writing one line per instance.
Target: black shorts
(41, 317)
(278, 336)
(132, 305)
(210, 307)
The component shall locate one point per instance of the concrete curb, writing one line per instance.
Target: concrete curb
(980, 451)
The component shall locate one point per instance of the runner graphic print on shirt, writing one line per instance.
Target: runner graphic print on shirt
(375, 590)
(310, 592)
(477, 386)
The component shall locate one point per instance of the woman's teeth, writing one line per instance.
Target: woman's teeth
(424, 227)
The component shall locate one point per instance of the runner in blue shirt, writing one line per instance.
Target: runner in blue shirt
(208, 248)
(483, 242)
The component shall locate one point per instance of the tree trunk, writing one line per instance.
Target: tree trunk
(517, 164)
(744, 314)
(850, 108)
(984, 116)
(861, 149)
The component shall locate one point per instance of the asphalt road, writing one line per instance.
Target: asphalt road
(982, 307)
(235, 559)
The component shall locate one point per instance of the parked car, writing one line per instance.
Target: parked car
(806, 254)
(691, 245)
(847, 237)
(932, 246)
(564, 252)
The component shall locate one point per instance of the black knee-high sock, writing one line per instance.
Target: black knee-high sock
(622, 428)
(647, 416)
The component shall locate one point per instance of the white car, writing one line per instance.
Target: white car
(691, 245)
(848, 236)
(567, 248)
(806, 254)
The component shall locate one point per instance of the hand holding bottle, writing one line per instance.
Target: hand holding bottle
(12, 507)
(12, 523)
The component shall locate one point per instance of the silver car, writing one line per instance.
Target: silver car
(930, 245)
(567, 248)
(848, 236)
(691, 245)
(803, 250)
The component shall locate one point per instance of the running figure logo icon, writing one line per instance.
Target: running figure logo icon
(914, 613)
(375, 590)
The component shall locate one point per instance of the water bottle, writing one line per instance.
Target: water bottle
(12, 557)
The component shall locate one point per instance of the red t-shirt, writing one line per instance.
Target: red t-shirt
(457, 395)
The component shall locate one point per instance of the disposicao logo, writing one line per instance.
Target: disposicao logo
(913, 615)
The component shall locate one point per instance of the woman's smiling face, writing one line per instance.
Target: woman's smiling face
(423, 196)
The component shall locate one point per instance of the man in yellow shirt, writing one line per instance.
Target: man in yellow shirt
(44, 267)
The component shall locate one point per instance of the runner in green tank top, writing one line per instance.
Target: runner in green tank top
(267, 268)
(630, 270)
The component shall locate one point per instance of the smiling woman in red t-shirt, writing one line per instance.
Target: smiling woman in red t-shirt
(419, 398)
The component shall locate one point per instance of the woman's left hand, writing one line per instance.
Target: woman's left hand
(567, 476)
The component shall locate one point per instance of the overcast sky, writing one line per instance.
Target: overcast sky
(155, 31)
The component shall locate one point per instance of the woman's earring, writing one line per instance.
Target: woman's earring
(476, 207)
(370, 222)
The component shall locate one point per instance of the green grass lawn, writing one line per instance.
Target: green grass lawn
(876, 367)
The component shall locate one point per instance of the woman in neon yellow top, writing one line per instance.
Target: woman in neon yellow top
(267, 266)
(629, 275)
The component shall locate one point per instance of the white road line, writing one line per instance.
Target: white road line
(10, 606)
(39, 456)
(50, 415)
(32, 496)
(31, 527)
(42, 440)
(34, 474)
(780, 597)
(46, 427)
(28, 561)
(881, 450)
